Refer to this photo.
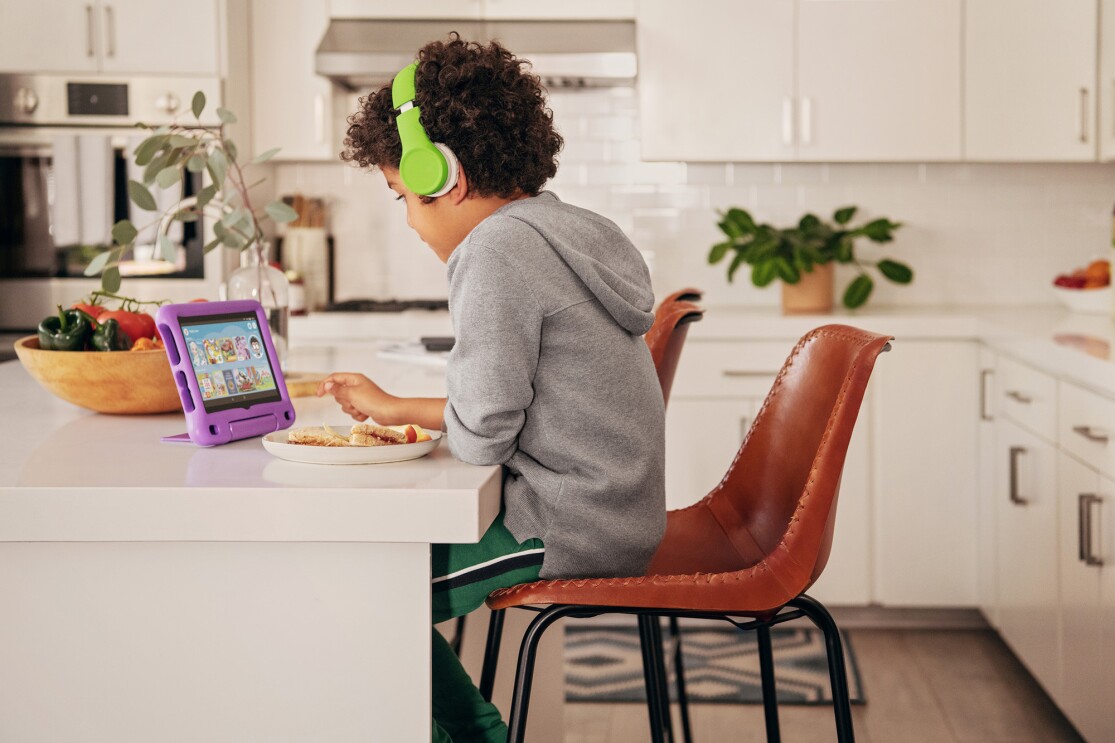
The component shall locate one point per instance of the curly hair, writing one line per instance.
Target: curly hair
(480, 101)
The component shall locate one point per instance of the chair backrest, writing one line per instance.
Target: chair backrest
(774, 510)
(667, 335)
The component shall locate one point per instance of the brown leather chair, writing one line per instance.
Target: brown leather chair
(750, 549)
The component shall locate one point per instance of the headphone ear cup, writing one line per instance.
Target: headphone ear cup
(454, 170)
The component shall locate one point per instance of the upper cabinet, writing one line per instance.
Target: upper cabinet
(1106, 127)
(878, 80)
(812, 80)
(1030, 74)
(110, 36)
(494, 10)
(718, 90)
(291, 106)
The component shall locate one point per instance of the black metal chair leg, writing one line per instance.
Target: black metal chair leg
(838, 675)
(652, 677)
(458, 636)
(766, 674)
(491, 654)
(679, 680)
(524, 673)
(663, 679)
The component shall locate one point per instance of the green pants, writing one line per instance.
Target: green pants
(463, 576)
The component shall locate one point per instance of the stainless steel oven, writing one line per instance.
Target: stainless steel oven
(65, 160)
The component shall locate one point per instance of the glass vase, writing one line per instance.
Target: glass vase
(257, 279)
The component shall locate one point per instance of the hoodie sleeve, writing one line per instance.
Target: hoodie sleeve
(497, 322)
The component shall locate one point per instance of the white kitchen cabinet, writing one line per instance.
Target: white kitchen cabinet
(811, 80)
(139, 37)
(718, 90)
(142, 37)
(719, 389)
(390, 9)
(1105, 127)
(49, 36)
(1084, 657)
(923, 461)
(878, 80)
(1027, 547)
(986, 563)
(1030, 80)
(291, 106)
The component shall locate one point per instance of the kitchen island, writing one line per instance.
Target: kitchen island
(165, 592)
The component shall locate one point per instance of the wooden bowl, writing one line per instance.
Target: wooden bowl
(122, 382)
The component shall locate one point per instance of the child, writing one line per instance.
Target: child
(550, 375)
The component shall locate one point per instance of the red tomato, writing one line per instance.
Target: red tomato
(93, 310)
(199, 299)
(135, 324)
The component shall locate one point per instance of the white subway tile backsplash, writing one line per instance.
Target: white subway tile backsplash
(974, 233)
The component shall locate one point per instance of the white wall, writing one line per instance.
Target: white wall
(975, 234)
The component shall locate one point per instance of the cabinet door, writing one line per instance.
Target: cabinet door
(702, 438)
(1105, 549)
(1028, 572)
(1030, 79)
(879, 80)
(718, 90)
(291, 106)
(49, 36)
(1106, 82)
(1082, 661)
(150, 38)
(985, 512)
(925, 473)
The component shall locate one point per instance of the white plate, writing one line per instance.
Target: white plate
(276, 443)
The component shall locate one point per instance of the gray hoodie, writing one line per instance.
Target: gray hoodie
(551, 377)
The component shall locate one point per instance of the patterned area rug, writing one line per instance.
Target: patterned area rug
(604, 664)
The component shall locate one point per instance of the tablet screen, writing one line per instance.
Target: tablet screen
(230, 359)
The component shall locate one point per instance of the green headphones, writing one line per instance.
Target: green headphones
(428, 168)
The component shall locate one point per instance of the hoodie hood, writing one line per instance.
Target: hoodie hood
(597, 251)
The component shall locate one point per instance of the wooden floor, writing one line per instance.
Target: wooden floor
(922, 686)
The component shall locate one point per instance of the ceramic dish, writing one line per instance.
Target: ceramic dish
(1085, 301)
(276, 443)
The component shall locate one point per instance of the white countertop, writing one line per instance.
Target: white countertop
(67, 474)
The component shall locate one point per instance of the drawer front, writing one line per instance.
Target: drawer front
(1028, 397)
(1086, 427)
(729, 368)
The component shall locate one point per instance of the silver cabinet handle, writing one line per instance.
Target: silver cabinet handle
(743, 373)
(1019, 397)
(984, 375)
(787, 121)
(1084, 115)
(1092, 434)
(806, 120)
(1015, 453)
(89, 48)
(110, 23)
(1085, 501)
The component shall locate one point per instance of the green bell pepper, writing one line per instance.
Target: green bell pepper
(69, 330)
(109, 337)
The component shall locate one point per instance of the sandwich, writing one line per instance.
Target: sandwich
(315, 436)
(369, 434)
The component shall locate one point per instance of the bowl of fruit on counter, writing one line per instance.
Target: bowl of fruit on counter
(103, 358)
(1086, 290)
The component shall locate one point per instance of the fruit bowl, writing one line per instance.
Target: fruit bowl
(1086, 301)
(122, 382)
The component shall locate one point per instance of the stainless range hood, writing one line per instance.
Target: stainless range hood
(359, 54)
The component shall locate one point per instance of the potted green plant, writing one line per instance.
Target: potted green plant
(802, 256)
(166, 156)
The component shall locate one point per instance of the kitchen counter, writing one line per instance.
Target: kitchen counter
(166, 592)
(1075, 347)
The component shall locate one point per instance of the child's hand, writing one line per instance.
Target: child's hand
(358, 396)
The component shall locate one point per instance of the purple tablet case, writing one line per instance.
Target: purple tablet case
(211, 418)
